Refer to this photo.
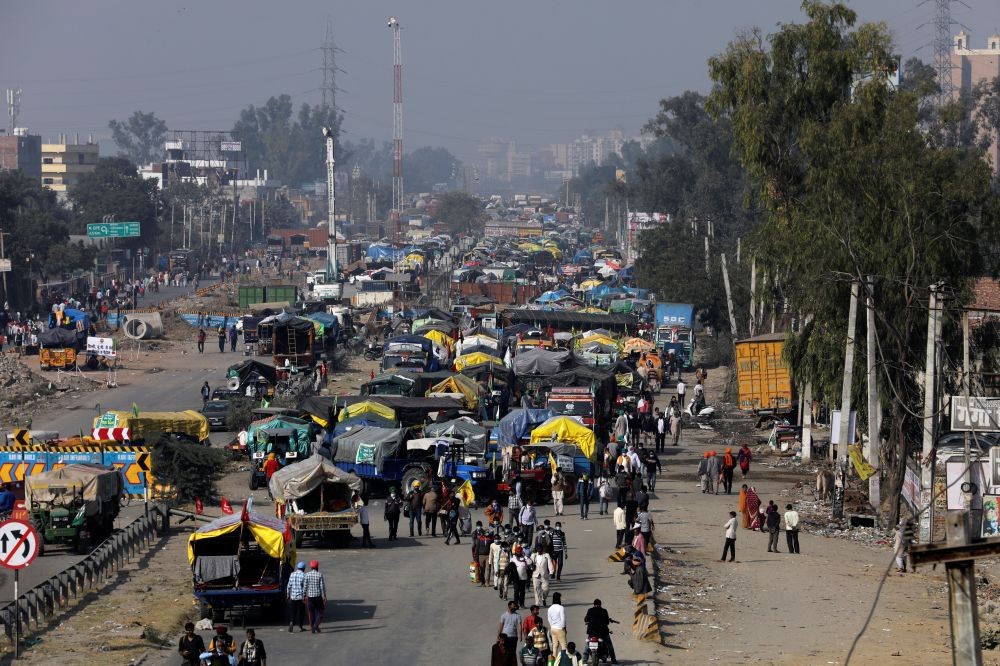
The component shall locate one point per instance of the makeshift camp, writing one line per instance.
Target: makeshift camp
(369, 419)
(518, 423)
(568, 430)
(474, 435)
(249, 372)
(315, 497)
(368, 444)
(479, 340)
(304, 432)
(366, 407)
(291, 339)
(637, 345)
(440, 338)
(477, 358)
(458, 385)
(241, 560)
(540, 362)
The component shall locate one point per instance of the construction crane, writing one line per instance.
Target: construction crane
(397, 121)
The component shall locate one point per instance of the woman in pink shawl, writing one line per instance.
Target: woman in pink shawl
(753, 508)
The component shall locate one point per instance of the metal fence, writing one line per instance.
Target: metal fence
(52, 597)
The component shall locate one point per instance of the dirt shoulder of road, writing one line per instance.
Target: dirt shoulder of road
(776, 607)
(134, 616)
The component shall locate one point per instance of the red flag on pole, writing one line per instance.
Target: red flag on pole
(199, 508)
(245, 514)
(227, 508)
(288, 532)
(373, 374)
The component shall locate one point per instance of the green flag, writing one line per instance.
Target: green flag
(135, 409)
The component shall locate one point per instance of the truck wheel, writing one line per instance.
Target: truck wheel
(254, 484)
(299, 536)
(204, 611)
(569, 494)
(218, 615)
(411, 475)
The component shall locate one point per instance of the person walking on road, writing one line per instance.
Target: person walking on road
(415, 503)
(222, 646)
(730, 546)
(222, 339)
(605, 491)
(295, 593)
(741, 506)
(252, 652)
(190, 646)
(703, 472)
(232, 337)
(206, 393)
(620, 430)
(620, 525)
(431, 508)
(201, 340)
(523, 571)
(651, 462)
(743, 457)
(557, 623)
(482, 542)
(680, 392)
(450, 509)
(502, 654)
(393, 507)
(559, 549)
(314, 588)
(544, 569)
(662, 426)
(510, 625)
(363, 520)
(530, 656)
(584, 489)
(558, 491)
(792, 529)
(714, 472)
(540, 637)
(675, 427)
(728, 466)
(527, 517)
(773, 522)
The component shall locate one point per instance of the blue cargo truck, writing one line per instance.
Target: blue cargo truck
(675, 330)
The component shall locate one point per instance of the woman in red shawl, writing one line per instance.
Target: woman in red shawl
(744, 456)
(753, 508)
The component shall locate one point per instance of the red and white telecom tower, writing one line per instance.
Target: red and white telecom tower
(397, 121)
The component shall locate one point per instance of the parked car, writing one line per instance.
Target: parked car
(215, 411)
(953, 444)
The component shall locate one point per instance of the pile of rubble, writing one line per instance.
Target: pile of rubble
(19, 386)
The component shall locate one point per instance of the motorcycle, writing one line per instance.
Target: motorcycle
(597, 649)
(698, 412)
(373, 352)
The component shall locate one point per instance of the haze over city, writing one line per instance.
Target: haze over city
(530, 72)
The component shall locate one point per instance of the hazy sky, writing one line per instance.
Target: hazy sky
(537, 71)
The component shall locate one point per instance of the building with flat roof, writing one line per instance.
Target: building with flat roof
(971, 67)
(21, 150)
(63, 163)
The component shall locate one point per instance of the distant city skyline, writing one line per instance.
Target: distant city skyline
(531, 73)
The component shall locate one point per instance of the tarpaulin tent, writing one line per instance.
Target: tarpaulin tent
(598, 338)
(301, 478)
(459, 384)
(518, 423)
(94, 484)
(637, 345)
(439, 337)
(249, 370)
(375, 444)
(391, 383)
(566, 429)
(540, 362)
(304, 430)
(348, 425)
(367, 407)
(188, 423)
(464, 428)
(268, 532)
(477, 340)
(57, 337)
(477, 358)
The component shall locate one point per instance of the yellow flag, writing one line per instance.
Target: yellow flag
(862, 466)
(466, 494)
(553, 464)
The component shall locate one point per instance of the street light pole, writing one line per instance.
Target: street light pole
(331, 194)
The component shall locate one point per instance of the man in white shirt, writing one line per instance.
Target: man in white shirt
(730, 546)
(557, 623)
(792, 529)
(544, 568)
(680, 392)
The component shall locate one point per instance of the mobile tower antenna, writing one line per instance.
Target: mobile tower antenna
(397, 118)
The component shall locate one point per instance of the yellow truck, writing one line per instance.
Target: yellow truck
(763, 379)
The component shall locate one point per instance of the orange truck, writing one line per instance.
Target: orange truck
(763, 380)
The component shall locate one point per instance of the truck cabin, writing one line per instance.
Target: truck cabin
(574, 402)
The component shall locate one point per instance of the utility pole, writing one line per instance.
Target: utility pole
(753, 296)
(927, 465)
(874, 411)
(966, 381)
(807, 415)
(331, 203)
(729, 298)
(397, 120)
(4, 273)
(845, 391)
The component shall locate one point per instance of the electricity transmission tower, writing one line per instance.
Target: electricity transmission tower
(942, 51)
(330, 68)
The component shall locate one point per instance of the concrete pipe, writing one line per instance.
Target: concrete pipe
(143, 326)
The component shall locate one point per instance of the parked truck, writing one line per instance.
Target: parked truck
(315, 497)
(675, 330)
(763, 381)
(75, 505)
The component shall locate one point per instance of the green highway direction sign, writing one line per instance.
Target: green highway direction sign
(113, 230)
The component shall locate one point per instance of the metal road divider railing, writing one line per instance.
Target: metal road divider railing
(52, 597)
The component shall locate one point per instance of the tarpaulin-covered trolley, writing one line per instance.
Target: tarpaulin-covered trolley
(241, 562)
(315, 496)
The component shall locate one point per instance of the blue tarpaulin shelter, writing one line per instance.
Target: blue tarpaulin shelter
(518, 423)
